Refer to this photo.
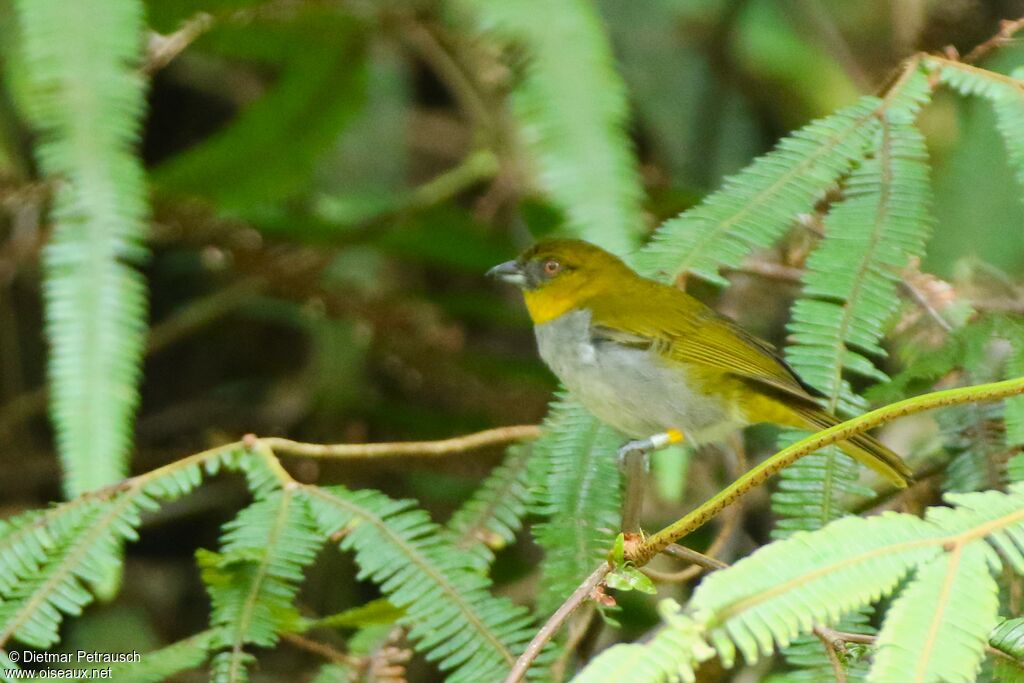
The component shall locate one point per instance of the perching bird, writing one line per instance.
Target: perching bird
(655, 363)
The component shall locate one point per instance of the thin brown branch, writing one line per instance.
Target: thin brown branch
(831, 649)
(635, 472)
(1007, 29)
(426, 42)
(459, 444)
(921, 299)
(551, 626)
(690, 555)
(162, 49)
(577, 632)
(324, 650)
(836, 640)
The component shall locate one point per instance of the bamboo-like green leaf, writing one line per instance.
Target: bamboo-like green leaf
(938, 627)
(86, 100)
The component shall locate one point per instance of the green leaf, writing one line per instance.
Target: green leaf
(671, 655)
(786, 587)
(1009, 108)
(489, 520)
(629, 578)
(453, 619)
(578, 491)
(757, 206)
(373, 613)
(1008, 638)
(82, 546)
(254, 579)
(270, 151)
(161, 665)
(85, 99)
(937, 628)
(571, 105)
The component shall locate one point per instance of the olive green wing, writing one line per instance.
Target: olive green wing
(677, 326)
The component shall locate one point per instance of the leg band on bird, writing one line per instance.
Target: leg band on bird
(652, 443)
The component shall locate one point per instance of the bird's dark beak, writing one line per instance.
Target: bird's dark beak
(510, 272)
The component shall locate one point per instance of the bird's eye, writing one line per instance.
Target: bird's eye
(552, 267)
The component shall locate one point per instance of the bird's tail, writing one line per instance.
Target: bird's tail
(862, 447)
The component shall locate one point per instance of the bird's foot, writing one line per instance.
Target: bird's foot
(644, 447)
(641, 447)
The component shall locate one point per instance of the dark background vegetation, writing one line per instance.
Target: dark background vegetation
(331, 179)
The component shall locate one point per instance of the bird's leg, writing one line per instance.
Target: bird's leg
(634, 457)
(656, 442)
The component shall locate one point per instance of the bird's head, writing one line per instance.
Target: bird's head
(559, 275)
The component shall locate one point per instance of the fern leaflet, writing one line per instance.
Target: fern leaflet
(583, 153)
(253, 581)
(947, 641)
(579, 495)
(452, 616)
(87, 101)
(489, 520)
(160, 665)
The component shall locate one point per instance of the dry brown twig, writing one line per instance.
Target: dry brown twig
(1007, 29)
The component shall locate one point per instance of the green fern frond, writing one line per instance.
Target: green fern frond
(945, 641)
(86, 548)
(48, 557)
(847, 304)
(757, 206)
(815, 577)
(86, 100)
(572, 108)
(452, 616)
(671, 655)
(843, 313)
(253, 580)
(883, 221)
(943, 616)
(1014, 407)
(269, 153)
(1007, 96)
(579, 495)
(783, 589)
(1010, 121)
(1008, 638)
(974, 436)
(334, 673)
(970, 80)
(489, 520)
(161, 665)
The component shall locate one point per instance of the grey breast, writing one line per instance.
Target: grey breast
(630, 388)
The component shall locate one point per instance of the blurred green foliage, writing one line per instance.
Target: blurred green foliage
(330, 179)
